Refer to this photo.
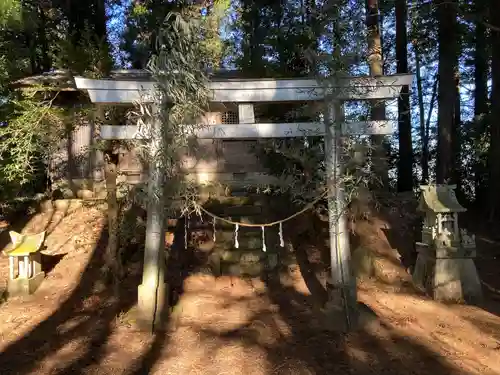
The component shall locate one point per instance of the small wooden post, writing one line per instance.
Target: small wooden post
(27, 266)
(151, 293)
(11, 268)
(342, 290)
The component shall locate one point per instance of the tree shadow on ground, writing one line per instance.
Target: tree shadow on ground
(180, 263)
(359, 352)
(404, 243)
(308, 270)
(299, 347)
(50, 261)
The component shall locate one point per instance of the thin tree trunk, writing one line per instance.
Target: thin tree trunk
(253, 49)
(457, 139)
(405, 160)
(379, 143)
(448, 61)
(427, 128)
(42, 34)
(100, 19)
(424, 157)
(480, 97)
(112, 256)
(30, 42)
(113, 264)
(424, 128)
(494, 150)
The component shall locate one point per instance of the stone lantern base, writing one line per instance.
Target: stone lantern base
(24, 286)
(447, 274)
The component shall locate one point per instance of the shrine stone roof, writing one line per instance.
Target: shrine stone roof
(439, 199)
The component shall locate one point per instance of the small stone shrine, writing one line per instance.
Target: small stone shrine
(25, 267)
(445, 264)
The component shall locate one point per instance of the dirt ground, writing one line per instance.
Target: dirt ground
(73, 325)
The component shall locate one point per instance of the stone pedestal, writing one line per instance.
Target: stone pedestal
(447, 273)
(245, 262)
(23, 287)
(471, 284)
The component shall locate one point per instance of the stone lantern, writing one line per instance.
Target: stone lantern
(445, 266)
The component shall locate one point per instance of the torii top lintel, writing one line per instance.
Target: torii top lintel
(124, 89)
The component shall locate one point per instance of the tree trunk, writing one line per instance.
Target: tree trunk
(30, 42)
(480, 98)
(457, 139)
(424, 156)
(494, 150)
(42, 35)
(448, 65)
(253, 48)
(405, 160)
(112, 257)
(100, 19)
(76, 21)
(112, 263)
(379, 143)
(427, 128)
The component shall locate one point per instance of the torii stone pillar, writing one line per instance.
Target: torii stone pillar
(342, 296)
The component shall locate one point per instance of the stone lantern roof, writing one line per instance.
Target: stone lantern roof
(439, 199)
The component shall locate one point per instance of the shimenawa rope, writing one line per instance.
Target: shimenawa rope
(271, 224)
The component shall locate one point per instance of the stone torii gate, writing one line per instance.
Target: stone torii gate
(123, 89)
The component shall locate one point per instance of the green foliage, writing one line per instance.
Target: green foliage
(283, 40)
(179, 69)
(139, 10)
(33, 130)
(143, 20)
(89, 57)
(48, 36)
(4, 72)
(214, 47)
(10, 11)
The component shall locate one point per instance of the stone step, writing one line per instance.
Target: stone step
(236, 269)
(250, 243)
(246, 262)
(243, 255)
